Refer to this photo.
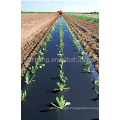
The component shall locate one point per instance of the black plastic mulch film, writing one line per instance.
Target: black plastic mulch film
(84, 102)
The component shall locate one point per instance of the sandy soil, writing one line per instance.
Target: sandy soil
(89, 15)
(30, 23)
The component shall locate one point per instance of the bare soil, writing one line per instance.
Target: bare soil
(87, 33)
(88, 15)
(30, 23)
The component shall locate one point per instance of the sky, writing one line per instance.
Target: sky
(65, 6)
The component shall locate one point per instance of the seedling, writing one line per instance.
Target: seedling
(96, 92)
(61, 60)
(88, 70)
(78, 47)
(61, 51)
(23, 95)
(44, 46)
(33, 69)
(61, 103)
(81, 57)
(41, 53)
(61, 54)
(87, 63)
(61, 65)
(36, 63)
(48, 38)
(61, 45)
(61, 87)
(27, 76)
(62, 78)
(41, 65)
(83, 53)
(96, 81)
(39, 60)
(74, 40)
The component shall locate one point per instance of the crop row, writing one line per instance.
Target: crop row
(38, 62)
(61, 103)
(81, 56)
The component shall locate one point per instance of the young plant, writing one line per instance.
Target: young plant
(62, 78)
(23, 95)
(39, 61)
(61, 103)
(41, 65)
(41, 53)
(60, 54)
(96, 92)
(61, 60)
(83, 53)
(78, 47)
(81, 57)
(33, 69)
(87, 63)
(61, 65)
(27, 77)
(61, 51)
(61, 87)
(48, 38)
(88, 70)
(44, 46)
(96, 82)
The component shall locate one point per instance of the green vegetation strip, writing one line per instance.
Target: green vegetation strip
(86, 18)
(81, 12)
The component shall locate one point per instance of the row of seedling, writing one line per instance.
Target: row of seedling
(81, 56)
(61, 103)
(38, 62)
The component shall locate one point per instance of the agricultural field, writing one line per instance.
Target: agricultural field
(62, 80)
(30, 23)
(88, 15)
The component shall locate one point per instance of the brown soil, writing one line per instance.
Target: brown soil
(30, 23)
(88, 15)
(87, 33)
(36, 32)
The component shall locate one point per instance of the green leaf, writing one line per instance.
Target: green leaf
(83, 53)
(67, 103)
(64, 85)
(56, 89)
(62, 96)
(96, 91)
(53, 104)
(27, 76)
(58, 84)
(57, 99)
(33, 77)
(43, 64)
(97, 80)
